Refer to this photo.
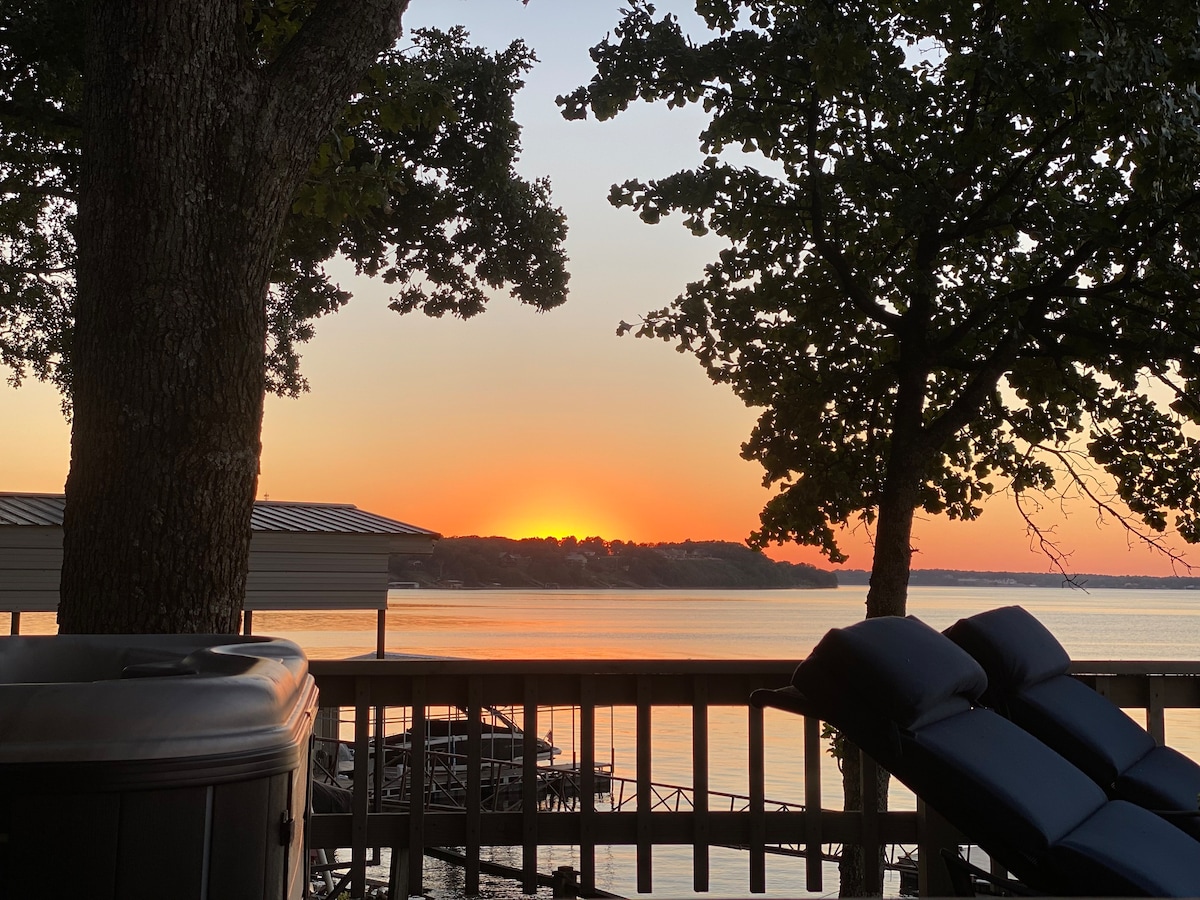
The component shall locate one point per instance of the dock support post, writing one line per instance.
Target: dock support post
(934, 834)
(398, 874)
(563, 882)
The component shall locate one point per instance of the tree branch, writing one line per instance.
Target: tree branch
(15, 186)
(1041, 539)
(1104, 507)
(40, 114)
(1052, 140)
(826, 248)
(319, 67)
(1180, 392)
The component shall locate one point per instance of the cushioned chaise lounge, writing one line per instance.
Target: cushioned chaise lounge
(1028, 683)
(907, 695)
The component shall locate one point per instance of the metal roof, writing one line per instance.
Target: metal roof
(268, 515)
(340, 518)
(31, 509)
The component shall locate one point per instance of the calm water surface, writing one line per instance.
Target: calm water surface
(783, 624)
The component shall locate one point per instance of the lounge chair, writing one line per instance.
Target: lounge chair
(907, 696)
(1028, 683)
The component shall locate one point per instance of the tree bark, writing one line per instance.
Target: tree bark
(904, 471)
(892, 562)
(192, 151)
(852, 865)
(888, 593)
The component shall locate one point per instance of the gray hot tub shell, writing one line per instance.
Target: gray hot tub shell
(154, 765)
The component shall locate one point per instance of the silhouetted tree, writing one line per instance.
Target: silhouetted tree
(962, 257)
(217, 154)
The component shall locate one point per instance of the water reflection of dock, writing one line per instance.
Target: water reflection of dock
(435, 744)
(445, 784)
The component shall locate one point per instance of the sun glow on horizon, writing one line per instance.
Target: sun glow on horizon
(559, 520)
(554, 527)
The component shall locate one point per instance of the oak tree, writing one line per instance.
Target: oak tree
(172, 179)
(960, 257)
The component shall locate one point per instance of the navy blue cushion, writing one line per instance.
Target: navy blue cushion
(1124, 850)
(1025, 667)
(904, 693)
(981, 769)
(891, 667)
(1014, 648)
(1165, 779)
(1081, 725)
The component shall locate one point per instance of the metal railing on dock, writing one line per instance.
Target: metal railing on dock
(705, 820)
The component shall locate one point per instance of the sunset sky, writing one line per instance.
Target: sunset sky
(521, 423)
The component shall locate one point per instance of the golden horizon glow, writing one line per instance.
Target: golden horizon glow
(546, 531)
(555, 520)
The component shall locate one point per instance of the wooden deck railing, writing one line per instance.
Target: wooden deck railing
(364, 687)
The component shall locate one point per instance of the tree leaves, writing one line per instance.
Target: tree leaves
(416, 185)
(420, 189)
(995, 202)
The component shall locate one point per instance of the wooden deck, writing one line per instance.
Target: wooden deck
(362, 688)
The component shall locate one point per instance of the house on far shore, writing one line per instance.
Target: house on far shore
(303, 556)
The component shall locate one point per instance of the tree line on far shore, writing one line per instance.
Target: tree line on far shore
(593, 562)
(962, 578)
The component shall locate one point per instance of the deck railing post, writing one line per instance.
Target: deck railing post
(474, 798)
(701, 836)
(529, 791)
(758, 822)
(587, 784)
(934, 834)
(377, 770)
(812, 805)
(398, 873)
(362, 750)
(417, 789)
(871, 844)
(1156, 719)
(645, 826)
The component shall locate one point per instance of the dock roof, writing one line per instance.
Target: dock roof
(268, 515)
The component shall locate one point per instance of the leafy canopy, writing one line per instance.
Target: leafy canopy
(416, 185)
(968, 225)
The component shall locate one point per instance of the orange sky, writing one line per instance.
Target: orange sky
(522, 423)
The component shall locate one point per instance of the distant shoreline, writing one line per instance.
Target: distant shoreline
(594, 563)
(971, 578)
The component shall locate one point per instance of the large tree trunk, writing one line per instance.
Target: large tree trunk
(887, 597)
(888, 594)
(192, 152)
(892, 563)
(852, 865)
(908, 457)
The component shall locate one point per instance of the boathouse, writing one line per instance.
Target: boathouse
(303, 556)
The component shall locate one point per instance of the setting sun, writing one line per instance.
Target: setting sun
(559, 523)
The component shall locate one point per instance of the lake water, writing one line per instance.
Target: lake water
(777, 624)
(784, 624)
